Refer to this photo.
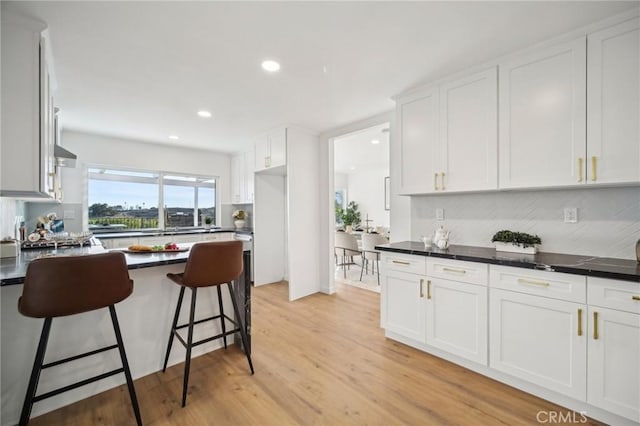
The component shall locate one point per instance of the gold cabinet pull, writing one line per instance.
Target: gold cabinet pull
(457, 271)
(428, 289)
(421, 292)
(637, 298)
(533, 282)
(594, 176)
(595, 326)
(579, 322)
(435, 181)
(400, 262)
(579, 169)
(442, 181)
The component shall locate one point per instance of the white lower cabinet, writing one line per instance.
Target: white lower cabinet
(540, 340)
(457, 318)
(404, 308)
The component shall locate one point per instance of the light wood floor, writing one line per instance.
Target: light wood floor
(322, 360)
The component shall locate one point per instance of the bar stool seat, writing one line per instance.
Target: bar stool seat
(62, 286)
(209, 264)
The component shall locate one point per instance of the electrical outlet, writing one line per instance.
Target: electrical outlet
(439, 214)
(570, 215)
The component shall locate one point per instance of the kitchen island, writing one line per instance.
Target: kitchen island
(145, 320)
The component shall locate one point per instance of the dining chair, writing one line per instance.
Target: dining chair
(369, 252)
(346, 247)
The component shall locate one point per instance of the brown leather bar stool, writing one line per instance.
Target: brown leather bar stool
(61, 286)
(209, 264)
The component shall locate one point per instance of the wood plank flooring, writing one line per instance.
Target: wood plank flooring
(322, 360)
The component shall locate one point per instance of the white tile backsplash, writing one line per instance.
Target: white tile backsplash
(608, 218)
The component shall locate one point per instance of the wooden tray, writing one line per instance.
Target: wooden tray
(181, 250)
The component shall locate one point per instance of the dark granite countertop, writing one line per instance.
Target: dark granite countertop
(14, 269)
(158, 232)
(604, 267)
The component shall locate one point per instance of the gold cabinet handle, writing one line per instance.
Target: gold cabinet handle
(579, 322)
(435, 181)
(442, 180)
(636, 298)
(532, 282)
(400, 262)
(594, 176)
(421, 292)
(428, 289)
(580, 169)
(595, 326)
(457, 271)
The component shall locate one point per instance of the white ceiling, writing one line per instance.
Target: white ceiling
(141, 70)
(354, 152)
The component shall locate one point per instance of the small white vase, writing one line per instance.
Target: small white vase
(239, 223)
(510, 247)
(207, 226)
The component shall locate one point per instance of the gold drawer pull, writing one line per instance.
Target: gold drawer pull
(400, 262)
(421, 292)
(457, 271)
(595, 326)
(594, 176)
(580, 169)
(428, 289)
(442, 180)
(532, 282)
(435, 181)
(636, 298)
(579, 322)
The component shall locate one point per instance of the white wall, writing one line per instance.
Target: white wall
(366, 188)
(608, 218)
(340, 181)
(113, 151)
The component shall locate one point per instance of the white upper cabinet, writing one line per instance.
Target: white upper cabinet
(468, 142)
(417, 117)
(613, 104)
(271, 150)
(250, 165)
(238, 187)
(542, 117)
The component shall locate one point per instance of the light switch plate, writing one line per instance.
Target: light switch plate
(439, 214)
(570, 215)
(69, 214)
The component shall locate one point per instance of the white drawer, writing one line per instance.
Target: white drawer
(614, 294)
(541, 283)
(404, 263)
(458, 270)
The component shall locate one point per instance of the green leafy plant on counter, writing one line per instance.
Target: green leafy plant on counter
(516, 238)
(208, 220)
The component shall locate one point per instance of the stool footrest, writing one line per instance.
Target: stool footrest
(77, 384)
(73, 358)
(208, 339)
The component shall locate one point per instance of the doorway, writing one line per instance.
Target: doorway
(362, 204)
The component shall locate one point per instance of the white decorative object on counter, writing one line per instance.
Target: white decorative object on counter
(239, 223)
(515, 248)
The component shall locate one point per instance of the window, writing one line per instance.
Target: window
(127, 199)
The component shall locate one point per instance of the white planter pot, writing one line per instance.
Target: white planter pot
(510, 247)
(239, 223)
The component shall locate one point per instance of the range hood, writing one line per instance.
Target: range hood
(64, 158)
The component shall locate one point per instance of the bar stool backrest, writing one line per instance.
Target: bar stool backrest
(61, 286)
(213, 263)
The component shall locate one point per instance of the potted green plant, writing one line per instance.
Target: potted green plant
(240, 216)
(207, 222)
(516, 242)
(351, 216)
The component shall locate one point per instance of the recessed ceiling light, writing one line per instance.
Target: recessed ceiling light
(174, 137)
(375, 141)
(352, 168)
(204, 114)
(271, 66)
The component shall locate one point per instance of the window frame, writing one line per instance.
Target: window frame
(159, 179)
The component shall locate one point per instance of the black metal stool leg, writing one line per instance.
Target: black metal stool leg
(125, 364)
(173, 328)
(243, 331)
(222, 321)
(187, 363)
(35, 373)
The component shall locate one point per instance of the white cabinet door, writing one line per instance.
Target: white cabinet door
(404, 307)
(457, 318)
(614, 362)
(468, 145)
(613, 104)
(542, 117)
(237, 178)
(417, 118)
(261, 153)
(539, 340)
(250, 165)
(278, 147)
